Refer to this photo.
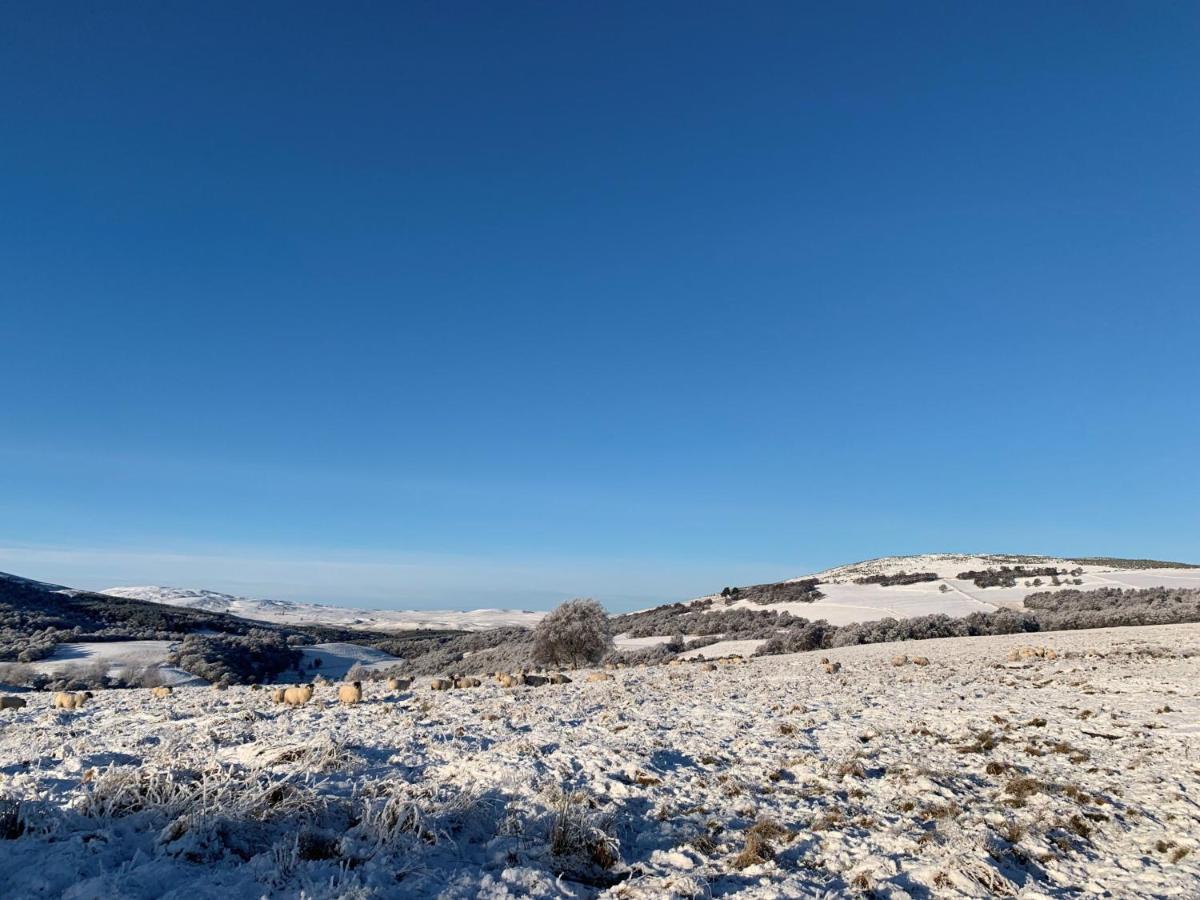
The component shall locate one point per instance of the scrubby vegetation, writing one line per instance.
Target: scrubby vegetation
(898, 579)
(235, 659)
(680, 618)
(1066, 610)
(1006, 576)
(574, 634)
(1115, 563)
(802, 591)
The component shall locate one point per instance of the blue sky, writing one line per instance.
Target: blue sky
(496, 304)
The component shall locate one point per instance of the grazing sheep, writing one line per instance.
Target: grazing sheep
(68, 700)
(11, 703)
(467, 682)
(161, 692)
(900, 660)
(599, 676)
(559, 678)
(350, 693)
(441, 684)
(832, 668)
(399, 684)
(824, 660)
(298, 696)
(277, 694)
(920, 661)
(506, 681)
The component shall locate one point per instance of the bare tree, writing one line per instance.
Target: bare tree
(575, 633)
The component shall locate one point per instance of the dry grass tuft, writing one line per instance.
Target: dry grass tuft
(758, 847)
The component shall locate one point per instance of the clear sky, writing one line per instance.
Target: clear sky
(477, 304)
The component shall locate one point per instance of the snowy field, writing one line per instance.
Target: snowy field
(117, 658)
(973, 776)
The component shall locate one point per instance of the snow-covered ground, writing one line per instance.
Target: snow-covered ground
(335, 660)
(118, 657)
(972, 776)
(284, 612)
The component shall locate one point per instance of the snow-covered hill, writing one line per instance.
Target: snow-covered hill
(285, 612)
(948, 565)
(844, 601)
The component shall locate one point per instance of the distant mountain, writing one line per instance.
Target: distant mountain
(285, 612)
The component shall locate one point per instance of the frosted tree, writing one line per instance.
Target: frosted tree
(575, 633)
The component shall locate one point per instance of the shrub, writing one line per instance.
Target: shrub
(577, 632)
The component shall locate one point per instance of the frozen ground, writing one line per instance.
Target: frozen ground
(973, 776)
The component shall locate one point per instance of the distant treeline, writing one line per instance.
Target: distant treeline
(803, 590)
(898, 578)
(1115, 563)
(1006, 576)
(1065, 610)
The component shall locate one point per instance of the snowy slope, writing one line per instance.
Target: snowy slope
(845, 602)
(976, 776)
(284, 612)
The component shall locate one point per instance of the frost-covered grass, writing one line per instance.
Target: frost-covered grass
(974, 775)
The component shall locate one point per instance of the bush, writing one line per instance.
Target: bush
(577, 632)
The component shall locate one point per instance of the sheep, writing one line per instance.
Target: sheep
(349, 694)
(559, 678)
(832, 668)
(277, 694)
(920, 661)
(536, 680)
(298, 696)
(399, 684)
(441, 684)
(11, 703)
(900, 660)
(467, 681)
(599, 676)
(161, 692)
(68, 700)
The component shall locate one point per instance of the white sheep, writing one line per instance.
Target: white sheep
(350, 693)
(399, 684)
(161, 692)
(69, 700)
(297, 696)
